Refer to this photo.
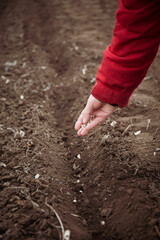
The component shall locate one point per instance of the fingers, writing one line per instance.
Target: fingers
(83, 118)
(93, 107)
(91, 125)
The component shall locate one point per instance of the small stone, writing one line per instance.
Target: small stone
(28, 205)
(6, 184)
(129, 205)
(68, 193)
(121, 176)
(86, 202)
(122, 189)
(153, 221)
(84, 222)
(144, 185)
(106, 212)
(104, 139)
(130, 191)
(64, 138)
(20, 103)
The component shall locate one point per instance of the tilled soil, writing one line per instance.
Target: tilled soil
(102, 186)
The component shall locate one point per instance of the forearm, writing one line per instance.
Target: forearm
(126, 61)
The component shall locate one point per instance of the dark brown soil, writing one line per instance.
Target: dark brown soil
(103, 186)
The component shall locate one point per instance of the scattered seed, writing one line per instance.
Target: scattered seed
(37, 176)
(7, 81)
(137, 133)
(11, 64)
(43, 67)
(146, 78)
(93, 80)
(84, 70)
(3, 77)
(103, 223)
(105, 137)
(2, 165)
(113, 124)
(24, 65)
(21, 97)
(148, 123)
(22, 133)
(75, 167)
(66, 235)
(75, 215)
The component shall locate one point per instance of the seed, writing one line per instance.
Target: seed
(86, 124)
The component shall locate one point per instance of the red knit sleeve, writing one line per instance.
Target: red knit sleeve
(134, 46)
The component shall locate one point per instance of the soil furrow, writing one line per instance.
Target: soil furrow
(104, 185)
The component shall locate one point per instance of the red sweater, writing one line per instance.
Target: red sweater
(134, 45)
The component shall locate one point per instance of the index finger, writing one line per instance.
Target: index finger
(90, 126)
(83, 118)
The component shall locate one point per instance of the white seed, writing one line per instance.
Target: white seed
(86, 124)
(67, 234)
(22, 133)
(2, 165)
(21, 97)
(37, 176)
(103, 223)
(113, 124)
(137, 133)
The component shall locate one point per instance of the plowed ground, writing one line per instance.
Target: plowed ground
(101, 189)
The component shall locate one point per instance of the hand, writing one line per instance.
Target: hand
(94, 107)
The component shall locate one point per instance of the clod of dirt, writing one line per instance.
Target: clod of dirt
(106, 212)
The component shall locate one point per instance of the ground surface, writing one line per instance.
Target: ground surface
(103, 186)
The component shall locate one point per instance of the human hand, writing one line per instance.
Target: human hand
(99, 110)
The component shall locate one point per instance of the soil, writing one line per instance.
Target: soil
(105, 185)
